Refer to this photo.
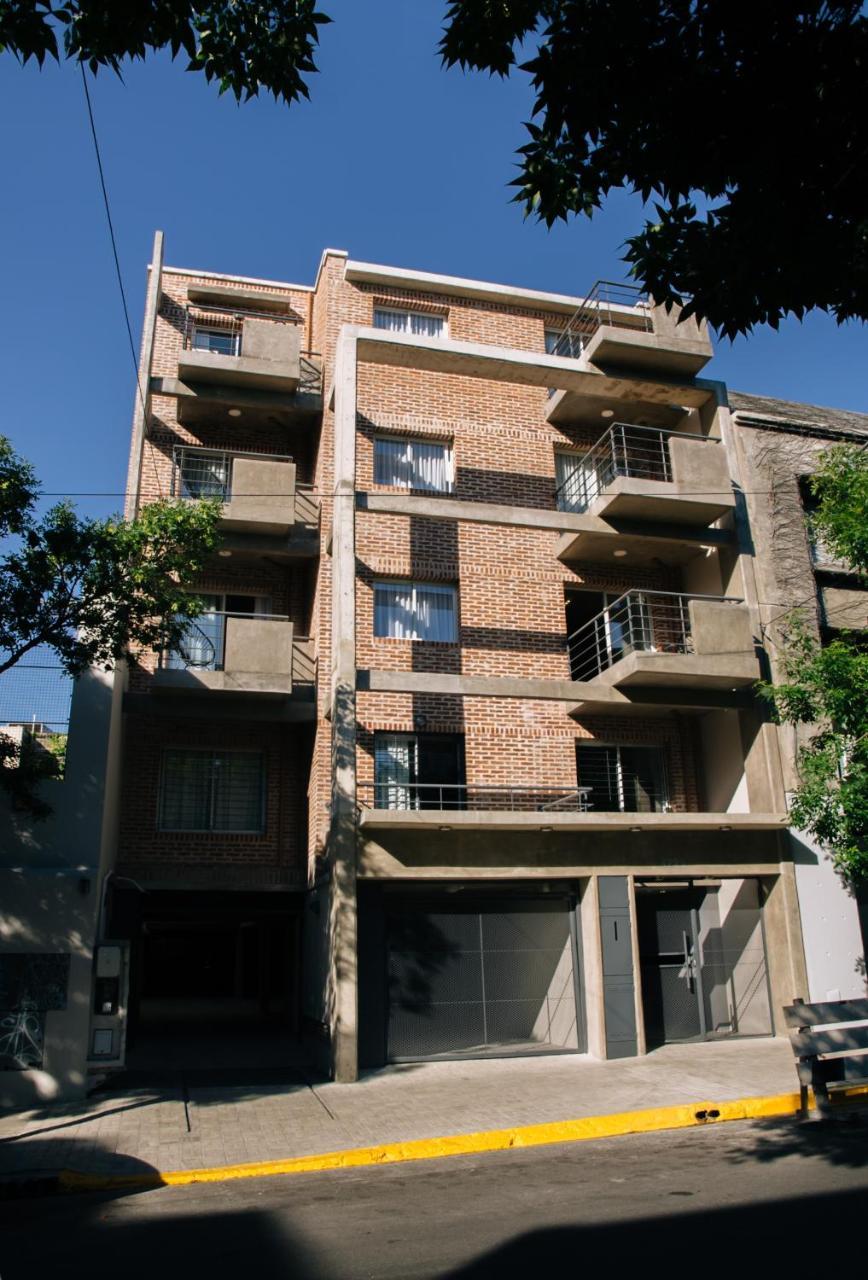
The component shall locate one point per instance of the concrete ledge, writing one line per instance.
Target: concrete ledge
(536, 820)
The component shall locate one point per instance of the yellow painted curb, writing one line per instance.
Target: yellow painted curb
(462, 1144)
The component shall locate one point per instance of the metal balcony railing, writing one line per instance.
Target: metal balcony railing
(207, 473)
(624, 449)
(479, 797)
(636, 622)
(203, 645)
(624, 779)
(605, 304)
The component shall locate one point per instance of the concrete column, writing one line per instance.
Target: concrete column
(143, 394)
(342, 836)
(788, 978)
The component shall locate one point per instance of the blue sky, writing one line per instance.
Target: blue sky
(393, 159)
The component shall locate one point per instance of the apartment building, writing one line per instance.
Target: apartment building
(463, 757)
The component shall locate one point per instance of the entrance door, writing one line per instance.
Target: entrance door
(668, 949)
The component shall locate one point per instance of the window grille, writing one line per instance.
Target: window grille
(212, 791)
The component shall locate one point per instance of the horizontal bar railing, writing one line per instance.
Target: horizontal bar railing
(615, 785)
(207, 473)
(203, 645)
(636, 622)
(477, 797)
(624, 449)
(608, 302)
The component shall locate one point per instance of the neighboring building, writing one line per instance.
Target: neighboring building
(779, 445)
(463, 757)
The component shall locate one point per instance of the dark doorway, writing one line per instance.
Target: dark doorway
(671, 984)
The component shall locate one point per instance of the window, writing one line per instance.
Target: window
(202, 474)
(212, 791)
(413, 464)
(623, 779)
(577, 481)
(563, 342)
(821, 556)
(418, 323)
(220, 342)
(415, 611)
(418, 771)
(201, 647)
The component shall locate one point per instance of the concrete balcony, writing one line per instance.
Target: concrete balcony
(240, 349)
(657, 639)
(646, 473)
(449, 807)
(227, 653)
(258, 491)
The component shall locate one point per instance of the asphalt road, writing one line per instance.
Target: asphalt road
(734, 1198)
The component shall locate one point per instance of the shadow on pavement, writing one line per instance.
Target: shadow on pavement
(840, 1140)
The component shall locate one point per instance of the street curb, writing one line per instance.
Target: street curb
(584, 1129)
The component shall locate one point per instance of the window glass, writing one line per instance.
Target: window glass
(577, 480)
(413, 464)
(202, 474)
(211, 791)
(415, 322)
(220, 342)
(561, 342)
(415, 611)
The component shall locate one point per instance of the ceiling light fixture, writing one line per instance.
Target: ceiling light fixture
(234, 413)
(607, 413)
(619, 552)
(224, 553)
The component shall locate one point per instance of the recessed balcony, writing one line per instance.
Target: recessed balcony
(452, 807)
(665, 639)
(258, 491)
(232, 653)
(240, 349)
(647, 473)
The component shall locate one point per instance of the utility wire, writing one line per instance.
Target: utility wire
(118, 273)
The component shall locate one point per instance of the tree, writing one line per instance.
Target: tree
(745, 123)
(245, 45)
(826, 686)
(90, 590)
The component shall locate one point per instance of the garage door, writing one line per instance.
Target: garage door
(484, 977)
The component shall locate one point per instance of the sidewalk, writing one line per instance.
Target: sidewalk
(204, 1125)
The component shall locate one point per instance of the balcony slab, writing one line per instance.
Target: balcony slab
(687, 670)
(504, 820)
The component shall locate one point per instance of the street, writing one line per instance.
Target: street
(729, 1195)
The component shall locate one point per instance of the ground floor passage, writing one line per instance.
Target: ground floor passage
(475, 972)
(214, 977)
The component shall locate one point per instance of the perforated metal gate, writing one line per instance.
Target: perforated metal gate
(487, 977)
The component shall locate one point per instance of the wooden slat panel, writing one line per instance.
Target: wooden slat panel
(812, 1015)
(810, 1043)
(844, 1070)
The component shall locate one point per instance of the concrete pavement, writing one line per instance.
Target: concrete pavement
(202, 1121)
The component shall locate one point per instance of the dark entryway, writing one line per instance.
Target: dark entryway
(211, 973)
(473, 977)
(703, 961)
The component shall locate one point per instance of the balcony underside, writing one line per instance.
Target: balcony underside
(198, 402)
(635, 499)
(227, 683)
(674, 354)
(602, 540)
(500, 820)
(683, 670)
(238, 371)
(300, 708)
(301, 543)
(602, 697)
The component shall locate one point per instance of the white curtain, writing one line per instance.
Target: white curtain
(413, 464)
(393, 462)
(408, 611)
(577, 480)
(432, 467)
(395, 767)
(414, 322)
